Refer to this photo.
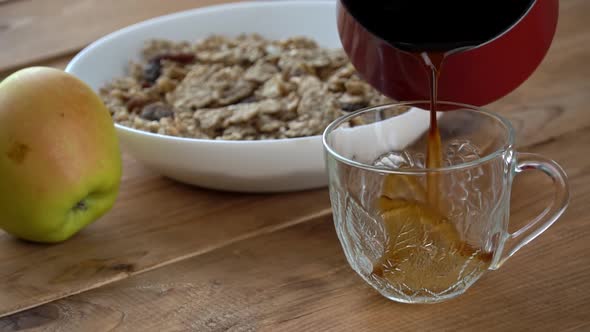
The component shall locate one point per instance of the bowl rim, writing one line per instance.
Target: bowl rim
(87, 51)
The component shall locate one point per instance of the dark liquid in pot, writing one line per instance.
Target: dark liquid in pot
(437, 25)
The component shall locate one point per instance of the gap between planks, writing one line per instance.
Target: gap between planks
(246, 236)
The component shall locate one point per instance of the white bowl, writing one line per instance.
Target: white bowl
(245, 166)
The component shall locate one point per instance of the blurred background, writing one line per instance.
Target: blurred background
(35, 30)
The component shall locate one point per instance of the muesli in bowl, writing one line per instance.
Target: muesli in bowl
(237, 88)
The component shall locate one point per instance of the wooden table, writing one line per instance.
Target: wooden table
(170, 257)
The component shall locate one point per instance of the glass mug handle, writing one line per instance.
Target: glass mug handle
(531, 161)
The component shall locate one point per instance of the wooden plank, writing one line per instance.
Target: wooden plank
(297, 279)
(35, 30)
(154, 222)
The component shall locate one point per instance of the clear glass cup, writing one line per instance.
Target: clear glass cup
(420, 235)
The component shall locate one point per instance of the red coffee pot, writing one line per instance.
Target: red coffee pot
(476, 76)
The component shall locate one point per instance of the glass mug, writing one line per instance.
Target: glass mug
(415, 245)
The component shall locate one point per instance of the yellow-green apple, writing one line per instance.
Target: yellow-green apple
(60, 163)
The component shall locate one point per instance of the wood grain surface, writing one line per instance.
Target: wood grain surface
(306, 284)
(154, 222)
(170, 257)
(39, 29)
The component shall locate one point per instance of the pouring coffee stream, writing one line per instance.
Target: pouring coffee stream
(397, 37)
(411, 222)
(434, 157)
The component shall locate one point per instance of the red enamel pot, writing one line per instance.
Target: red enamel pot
(477, 76)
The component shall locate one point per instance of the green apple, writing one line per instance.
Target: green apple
(60, 163)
